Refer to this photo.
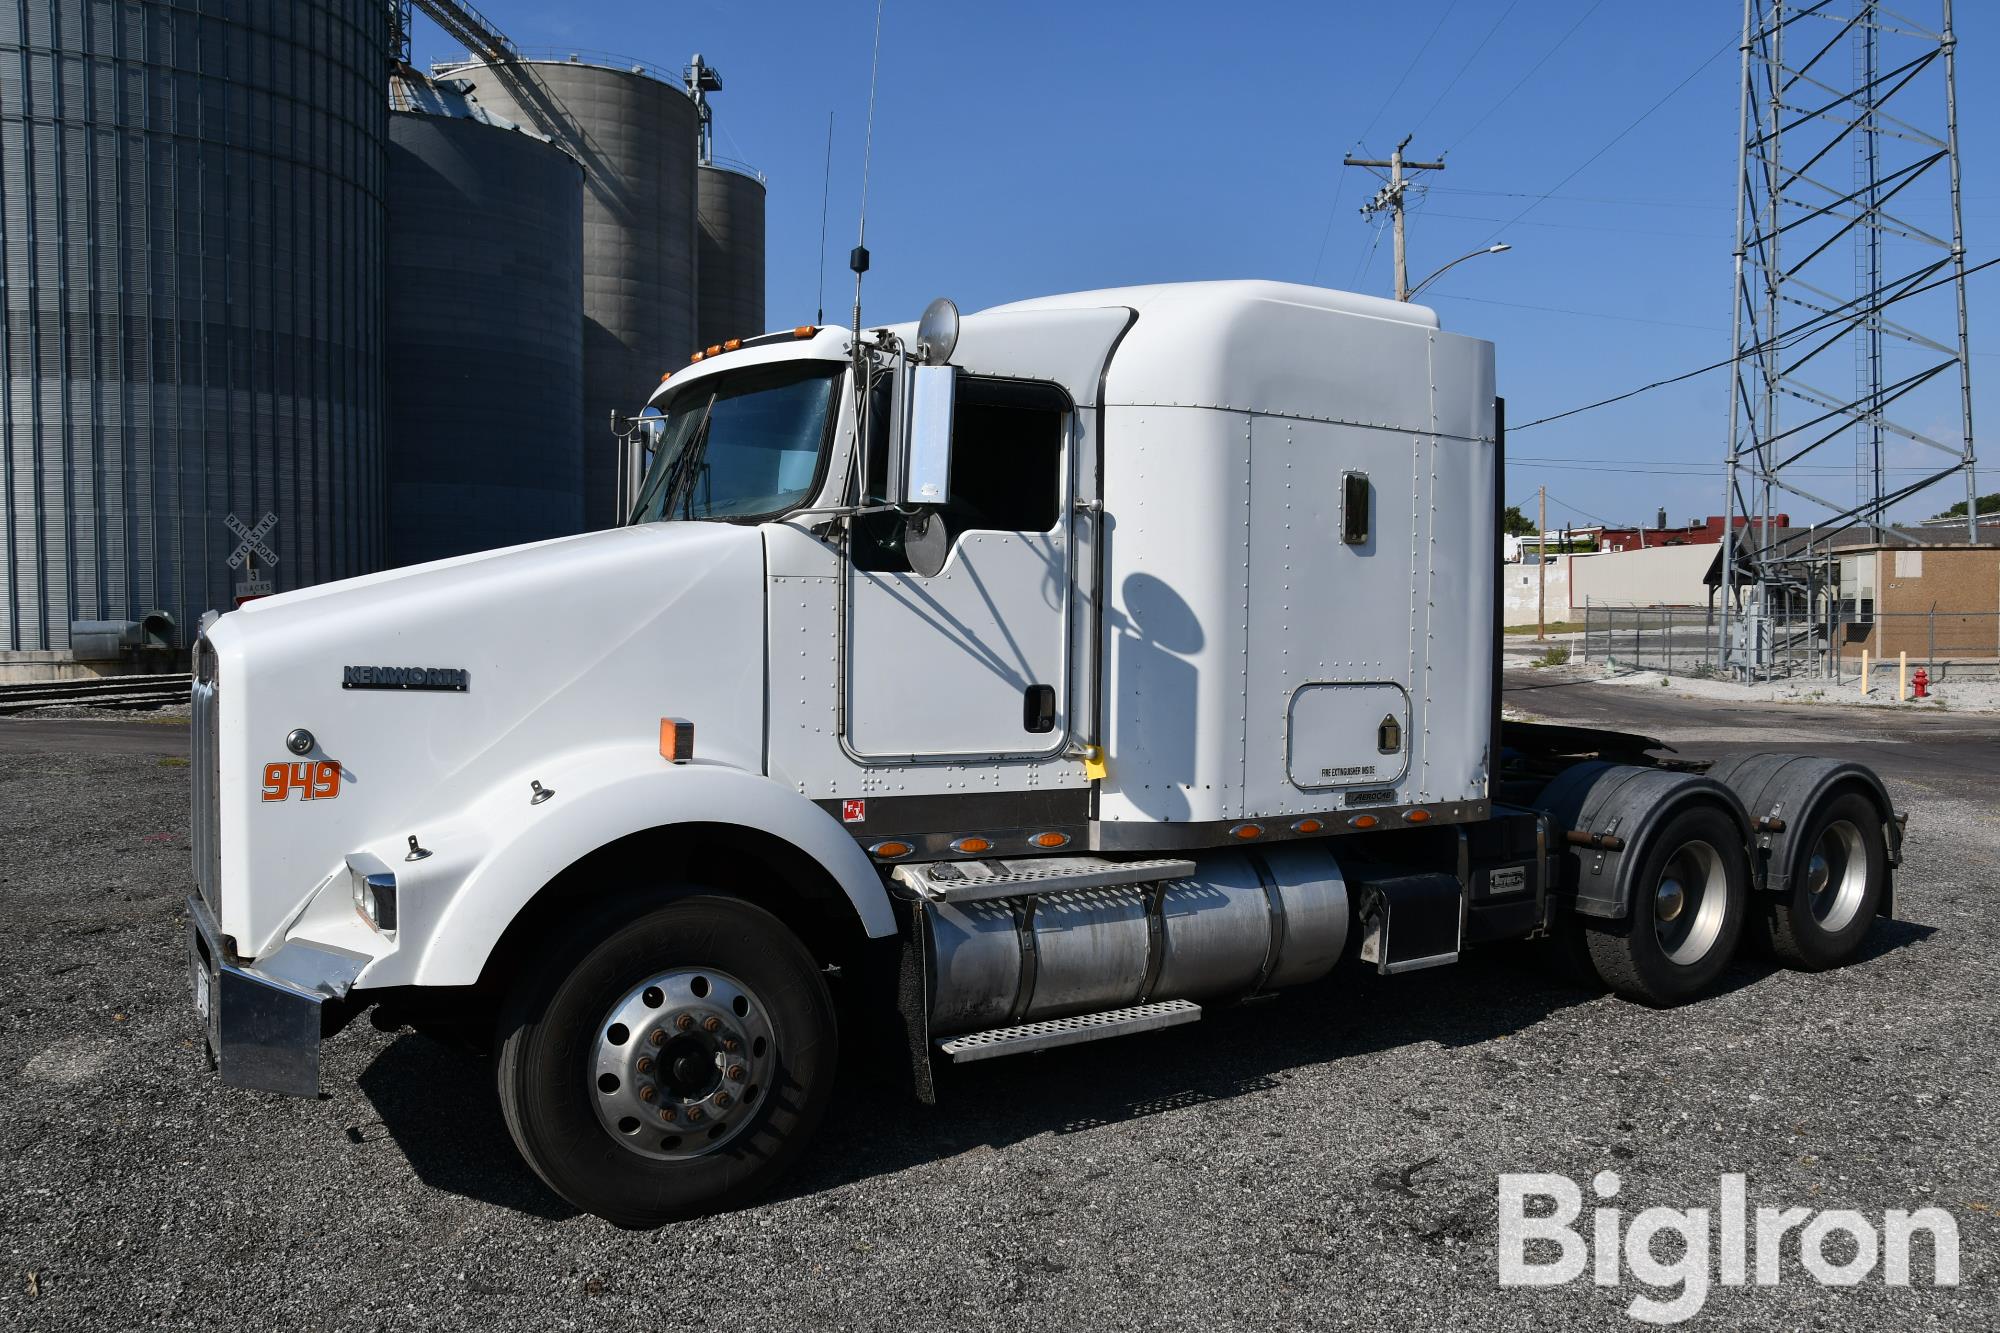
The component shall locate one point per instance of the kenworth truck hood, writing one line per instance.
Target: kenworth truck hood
(564, 644)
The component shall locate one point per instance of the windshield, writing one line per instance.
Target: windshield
(740, 445)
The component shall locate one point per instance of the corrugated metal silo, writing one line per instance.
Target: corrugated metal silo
(635, 135)
(730, 260)
(192, 242)
(485, 303)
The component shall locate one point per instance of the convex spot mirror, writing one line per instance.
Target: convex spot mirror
(937, 332)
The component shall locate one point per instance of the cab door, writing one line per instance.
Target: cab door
(990, 659)
(972, 662)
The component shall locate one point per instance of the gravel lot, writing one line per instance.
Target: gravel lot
(1324, 1160)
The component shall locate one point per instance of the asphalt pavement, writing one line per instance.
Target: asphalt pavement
(1327, 1159)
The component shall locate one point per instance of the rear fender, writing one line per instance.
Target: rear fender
(1623, 804)
(1783, 792)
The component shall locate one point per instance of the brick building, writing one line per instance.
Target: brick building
(1936, 603)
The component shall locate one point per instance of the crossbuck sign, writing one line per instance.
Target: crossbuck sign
(253, 540)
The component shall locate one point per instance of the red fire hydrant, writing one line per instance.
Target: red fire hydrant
(1920, 684)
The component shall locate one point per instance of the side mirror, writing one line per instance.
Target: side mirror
(925, 475)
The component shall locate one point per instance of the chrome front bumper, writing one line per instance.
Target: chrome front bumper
(263, 1020)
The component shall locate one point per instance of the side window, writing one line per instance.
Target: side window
(1006, 468)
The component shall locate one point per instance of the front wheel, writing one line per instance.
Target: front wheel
(1686, 916)
(667, 1060)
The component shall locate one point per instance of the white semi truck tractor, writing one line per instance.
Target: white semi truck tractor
(984, 685)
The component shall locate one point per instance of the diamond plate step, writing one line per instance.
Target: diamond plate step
(1052, 1032)
(977, 881)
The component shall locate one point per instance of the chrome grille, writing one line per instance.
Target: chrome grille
(205, 815)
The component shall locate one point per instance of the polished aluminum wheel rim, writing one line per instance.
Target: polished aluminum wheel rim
(682, 1062)
(1837, 875)
(1689, 903)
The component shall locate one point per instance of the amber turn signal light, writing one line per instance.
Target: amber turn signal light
(676, 739)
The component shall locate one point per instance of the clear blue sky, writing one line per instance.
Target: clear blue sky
(1025, 148)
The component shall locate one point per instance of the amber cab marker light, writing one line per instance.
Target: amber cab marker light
(676, 739)
(664, 378)
(696, 357)
(1364, 821)
(1050, 840)
(889, 851)
(804, 331)
(732, 344)
(1417, 816)
(715, 350)
(972, 845)
(1307, 826)
(1247, 831)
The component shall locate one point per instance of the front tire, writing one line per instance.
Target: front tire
(1836, 889)
(1686, 914)
(667, 1059)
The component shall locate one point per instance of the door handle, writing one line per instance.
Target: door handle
(1038, 708)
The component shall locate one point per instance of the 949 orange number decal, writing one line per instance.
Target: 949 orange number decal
(309, 782)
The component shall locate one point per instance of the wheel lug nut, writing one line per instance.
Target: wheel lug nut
(668, 1113)
(648, 1093)
(694, 1114)
(730, 1044)
(721, 1100)
(684, 1022)
(645, 1065)
(736, 1073)
(656, 1036)
(711, 1024)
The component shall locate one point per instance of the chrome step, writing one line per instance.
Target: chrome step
(1053, 1032)
(978, 881)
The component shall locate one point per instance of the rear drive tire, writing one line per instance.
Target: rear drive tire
(1686, 915)
(664, 1060)
(1836, 887)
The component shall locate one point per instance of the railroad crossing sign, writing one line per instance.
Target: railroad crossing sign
(253, 540)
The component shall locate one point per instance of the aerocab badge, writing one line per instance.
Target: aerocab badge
(452, 680)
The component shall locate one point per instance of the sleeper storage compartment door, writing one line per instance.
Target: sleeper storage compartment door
(1347, 733)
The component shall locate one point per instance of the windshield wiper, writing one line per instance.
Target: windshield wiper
(678, 486)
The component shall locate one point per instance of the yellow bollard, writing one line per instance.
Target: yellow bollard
(1864, 671)
(1903, 677)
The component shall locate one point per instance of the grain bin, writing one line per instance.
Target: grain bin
(730, 259)
(634, 132)
(192, 247)
(485, 301)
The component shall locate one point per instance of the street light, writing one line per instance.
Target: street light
(1493, 249)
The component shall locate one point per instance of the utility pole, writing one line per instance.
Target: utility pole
(1541, 563)
(1390, 196)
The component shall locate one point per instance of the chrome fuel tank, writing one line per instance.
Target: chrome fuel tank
(1245, 921)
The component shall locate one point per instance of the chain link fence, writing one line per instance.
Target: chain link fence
(1685, 640)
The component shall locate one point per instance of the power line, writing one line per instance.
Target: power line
(1587, 314)
(1407, 69)
(1509, 94)
(1467, 65)
(1814, 325)
(1618, 137)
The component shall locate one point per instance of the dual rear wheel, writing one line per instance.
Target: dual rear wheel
(1692, 902)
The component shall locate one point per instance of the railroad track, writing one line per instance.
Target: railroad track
(157, 691)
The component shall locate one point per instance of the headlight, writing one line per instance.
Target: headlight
(375, 897)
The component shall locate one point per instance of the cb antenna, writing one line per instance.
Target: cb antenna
(825, 191)
(857, 259)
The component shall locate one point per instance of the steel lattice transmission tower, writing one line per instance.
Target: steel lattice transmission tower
(1850, 258)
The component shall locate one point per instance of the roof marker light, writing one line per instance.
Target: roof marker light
(696, 357)
(804, 331)
(716, 350)
(732, 344)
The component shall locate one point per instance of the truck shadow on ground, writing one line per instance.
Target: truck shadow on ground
(439, 1106)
